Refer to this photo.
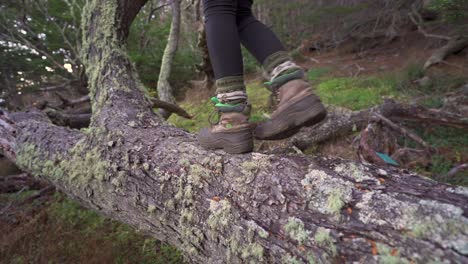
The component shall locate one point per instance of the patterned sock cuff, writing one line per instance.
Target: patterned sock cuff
(274, 60)
(230, 84)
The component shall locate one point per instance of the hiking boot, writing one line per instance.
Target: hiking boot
(298, 106)
(233, 134)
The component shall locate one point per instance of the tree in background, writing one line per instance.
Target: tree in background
(148, 39)
(165, 91)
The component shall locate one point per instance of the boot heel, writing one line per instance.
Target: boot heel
(238, 143)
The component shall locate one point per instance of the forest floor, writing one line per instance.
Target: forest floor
(57, 230)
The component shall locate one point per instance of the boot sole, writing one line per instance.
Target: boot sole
(306, 112)
(238, 142)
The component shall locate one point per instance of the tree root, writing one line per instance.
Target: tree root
(454, 45)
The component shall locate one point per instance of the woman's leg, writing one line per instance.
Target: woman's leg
(297, 105)
(223, 38)
(233, 133)
(260, 40)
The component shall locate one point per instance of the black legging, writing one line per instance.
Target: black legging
(229, 23)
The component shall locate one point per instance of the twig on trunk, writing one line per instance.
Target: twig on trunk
(403, 131)
(157, 103)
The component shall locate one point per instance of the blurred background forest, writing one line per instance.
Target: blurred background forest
(357, 53)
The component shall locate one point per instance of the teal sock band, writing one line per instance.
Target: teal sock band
(239, 107)
(283, 79)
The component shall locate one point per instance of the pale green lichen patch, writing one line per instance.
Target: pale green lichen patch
(151, 208)
(82, 165)
(118, 180)
(459, 190)
(247, 252)
(357, 172)
(288, 259)
(296, 230)
(428, 219)
(258, 229)
(85, 164)
(250, 166)
(335, 201)
(221, 214)
(252, 250)
(323, 238)
(184, 162)
(322, 189)
(31, 158)
(198, 175)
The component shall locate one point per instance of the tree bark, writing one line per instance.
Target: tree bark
(133, 167)
(165, 91)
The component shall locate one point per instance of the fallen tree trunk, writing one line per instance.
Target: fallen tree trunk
(342, 122)
(218, 208)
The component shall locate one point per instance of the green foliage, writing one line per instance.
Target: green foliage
(73, 215)
(146, 44)
(453, 11)
(452, 144)
(37, 36)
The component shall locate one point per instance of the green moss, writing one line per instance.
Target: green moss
(322, 238)
(354, 93)
(335, 201)
(295, 229)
